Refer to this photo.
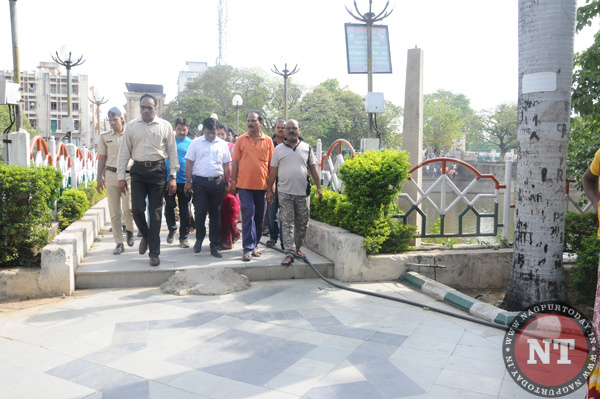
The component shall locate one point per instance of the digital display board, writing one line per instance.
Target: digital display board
(356, 48)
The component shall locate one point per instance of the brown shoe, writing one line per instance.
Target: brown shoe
(154, 261)
(143, 245)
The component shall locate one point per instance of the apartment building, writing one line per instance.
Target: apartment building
(44, 102)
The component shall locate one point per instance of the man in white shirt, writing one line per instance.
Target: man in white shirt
(207, 174)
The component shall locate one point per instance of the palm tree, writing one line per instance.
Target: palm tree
(546, 33)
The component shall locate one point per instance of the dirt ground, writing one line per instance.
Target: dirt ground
(8, 307)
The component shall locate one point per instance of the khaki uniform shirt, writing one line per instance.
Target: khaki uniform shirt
(152, 141)
(109, 145)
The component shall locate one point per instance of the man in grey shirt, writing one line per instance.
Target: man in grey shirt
(148, 140)
(291, 164)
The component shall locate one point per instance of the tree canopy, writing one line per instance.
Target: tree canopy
(497, 127)
(213, 91)
(584, 140)
(447, 117)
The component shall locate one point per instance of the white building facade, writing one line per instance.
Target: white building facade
(44, 102)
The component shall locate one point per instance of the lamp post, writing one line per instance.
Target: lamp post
(98, 100)
(64, 59)
(285, 73)
(237, 103)
(369, 18)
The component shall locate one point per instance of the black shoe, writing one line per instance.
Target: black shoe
(139, 234)
(119, 249)
(154, 261)
(216, 253)
(197, 247)
(129, 238)
(171, 236)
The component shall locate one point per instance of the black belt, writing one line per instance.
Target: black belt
(149, 164)
(207, 178)
(111, 169)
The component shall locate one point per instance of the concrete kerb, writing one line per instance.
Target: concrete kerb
(59, 259)
(455, 298)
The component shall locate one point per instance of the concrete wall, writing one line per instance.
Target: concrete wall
(472, 268)
(59, 260)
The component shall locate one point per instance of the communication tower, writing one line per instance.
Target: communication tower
(222, 58)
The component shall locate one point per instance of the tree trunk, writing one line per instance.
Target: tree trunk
(546, 32)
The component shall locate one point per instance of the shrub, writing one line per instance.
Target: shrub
(577, 227)
(372, 181)
(91, 193)
(584, 277)
(25, 216)
(71, 207)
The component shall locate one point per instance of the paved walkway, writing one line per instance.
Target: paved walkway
(280, 340)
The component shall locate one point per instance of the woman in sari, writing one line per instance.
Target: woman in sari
(230, 208)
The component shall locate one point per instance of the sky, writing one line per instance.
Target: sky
(469, 46)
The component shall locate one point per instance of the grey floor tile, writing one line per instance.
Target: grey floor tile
(130, 388)
(100, 378)
(387, 338)
(106, 355)
(74, 369)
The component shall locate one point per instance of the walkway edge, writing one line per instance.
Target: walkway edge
(59, 259)
(457, 299)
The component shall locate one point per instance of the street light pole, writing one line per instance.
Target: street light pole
(369, 18)
(237, 103)
(285, 73)
(67, 63)
(16, 63)
(98, 100)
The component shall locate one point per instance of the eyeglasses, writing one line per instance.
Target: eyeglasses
(147, 107)
(291, 128)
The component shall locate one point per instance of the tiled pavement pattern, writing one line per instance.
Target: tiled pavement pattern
(279, 339)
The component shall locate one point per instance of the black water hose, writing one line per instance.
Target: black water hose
(375, 294)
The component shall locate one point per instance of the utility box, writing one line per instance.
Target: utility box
(374, 103)
(68, 124)
(369, 144)
(10, 93)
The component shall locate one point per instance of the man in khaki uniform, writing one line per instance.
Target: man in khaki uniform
(108, 149)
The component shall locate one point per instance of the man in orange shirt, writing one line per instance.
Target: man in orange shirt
(249, 175)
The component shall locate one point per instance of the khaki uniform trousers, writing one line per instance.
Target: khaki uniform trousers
(116, 202)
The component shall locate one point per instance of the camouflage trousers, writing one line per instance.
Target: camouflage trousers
(294, 213)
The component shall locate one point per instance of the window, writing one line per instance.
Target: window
(31, 105)
(53, 106)
(53, 89)
(53, 125)
(75, 89)
(76, 124)
(63, 89)
(64, 107)
(31, 88)
(33, 123)
(75, 106)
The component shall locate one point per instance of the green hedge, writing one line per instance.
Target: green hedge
(93, 196)
(71, 207)
(25, 216)
(372, 181)
(581, 238)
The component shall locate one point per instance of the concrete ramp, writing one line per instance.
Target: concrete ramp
(101, 269)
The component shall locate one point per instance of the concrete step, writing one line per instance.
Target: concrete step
(101, 269)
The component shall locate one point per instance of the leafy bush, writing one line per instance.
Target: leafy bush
(577, 227)
(584, 277)
(71, 207)
(372, 181)
(25, 215)
(375, 178)
(91, 193)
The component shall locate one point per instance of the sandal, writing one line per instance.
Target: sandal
(271, 242)
(255, 253)
(287, 261)
(247, 256)
(299, 254)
